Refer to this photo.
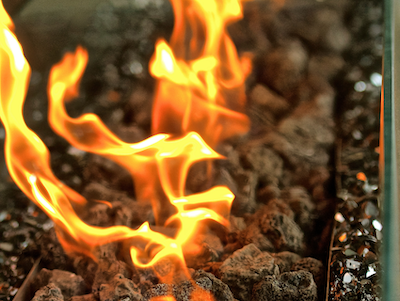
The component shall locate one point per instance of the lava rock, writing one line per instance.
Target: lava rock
(209, 282)
(290, 286)
(314, 266)
(283, 68)
(208, 248)
(326, 66)
(88, 297)
(244, 268)
(48, 293)
(268, 193)
(263, 161)
(69, 283)
(158, 290)
(241, 182)
(273, 229)
(300, 202)
(319, 25)
(120, 288)
(51, 251)
(267, 100)
(285, 260)
(282, 231)
(106, 173)
(109, 267)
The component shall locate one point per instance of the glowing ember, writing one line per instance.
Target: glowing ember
(159, 164)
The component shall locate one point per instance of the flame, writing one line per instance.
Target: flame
(159, 164)
(200, 84)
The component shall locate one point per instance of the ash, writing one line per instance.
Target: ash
(281, 172)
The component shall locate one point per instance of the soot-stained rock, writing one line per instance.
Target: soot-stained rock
(120, 288)
(69, 283)
(290, 286)
(48, 293)
(312, 265)
(300, 202)
(244, 268)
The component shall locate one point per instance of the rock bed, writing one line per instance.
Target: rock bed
(281, 171)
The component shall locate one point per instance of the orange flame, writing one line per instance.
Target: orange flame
(159, 164)
(201, 86)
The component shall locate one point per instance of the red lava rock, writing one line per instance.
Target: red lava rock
(244, 268)
(290, 286)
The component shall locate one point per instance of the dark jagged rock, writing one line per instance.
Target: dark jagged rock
(244, 268)
(290, 286)
(285, 260)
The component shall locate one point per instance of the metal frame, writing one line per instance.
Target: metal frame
(390, 130)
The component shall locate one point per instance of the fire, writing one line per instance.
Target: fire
(201, 83)
(208, 84)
